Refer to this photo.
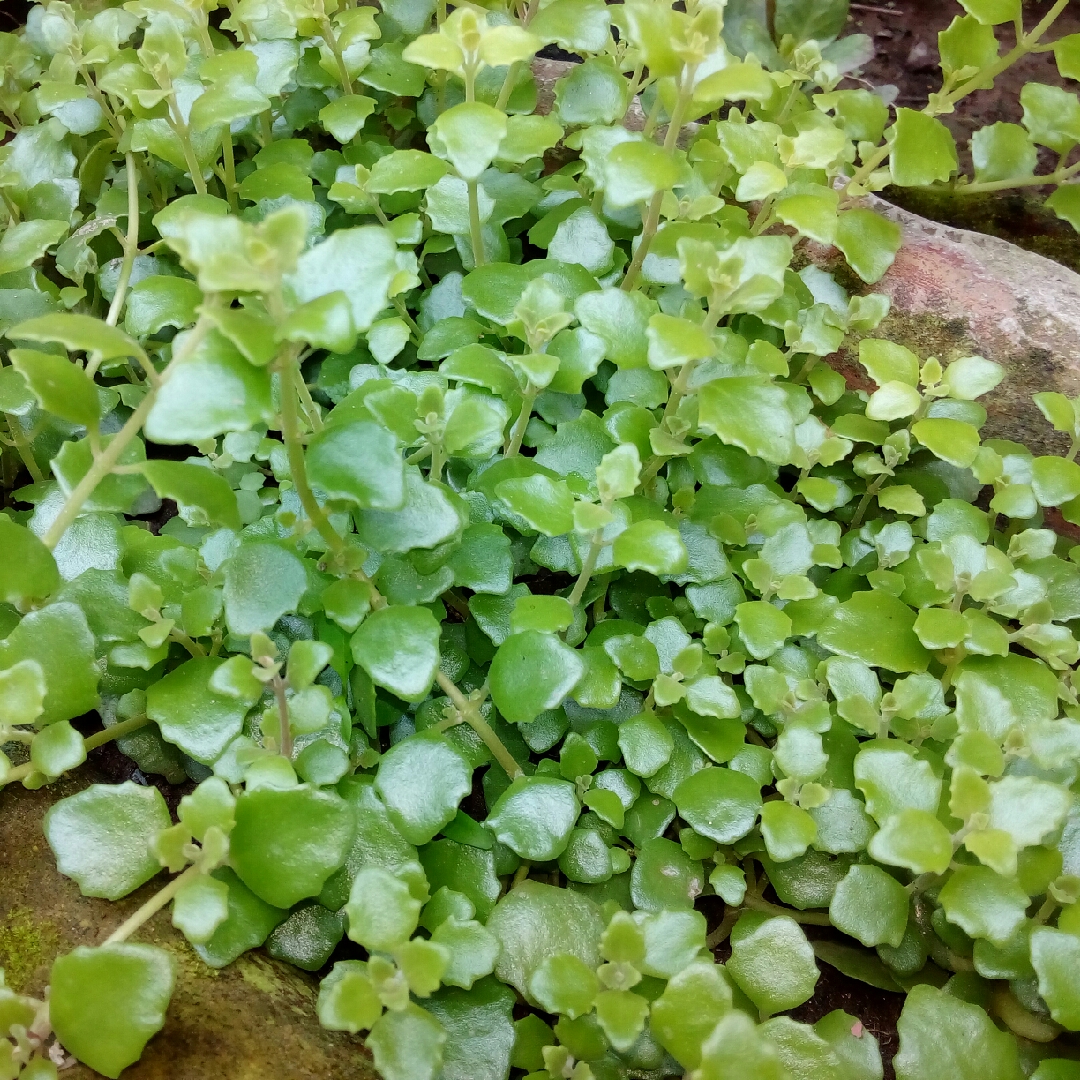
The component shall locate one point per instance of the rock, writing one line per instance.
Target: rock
(922, 58)
(956, 292)
(250, 1021)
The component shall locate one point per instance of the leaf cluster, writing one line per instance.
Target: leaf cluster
(540, 610)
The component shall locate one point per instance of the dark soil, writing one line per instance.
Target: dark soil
(904, 33)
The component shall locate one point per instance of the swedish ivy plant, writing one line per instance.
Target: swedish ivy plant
(541, 612)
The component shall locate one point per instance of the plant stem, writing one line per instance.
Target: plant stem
(1058, 176)
(285, 741)
(116, 731)
(229, 163)
(23, 450)
(152, 906)
(807, 918)
(183, 133)
(984, 78)
(91, 742)
(290, 434)
(131, 241)
(517, 433)
(652, 215)
(470, 713)
(476, 233)
(110, 456)
(596, 545)
(326, 28)
(864, 502)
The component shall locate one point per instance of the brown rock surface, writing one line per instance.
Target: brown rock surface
(251, 1021)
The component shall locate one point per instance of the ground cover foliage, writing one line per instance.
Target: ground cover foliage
(541, 611)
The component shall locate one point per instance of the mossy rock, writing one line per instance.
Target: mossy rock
(252, 1020)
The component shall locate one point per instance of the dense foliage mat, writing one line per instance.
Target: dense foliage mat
(540, 612)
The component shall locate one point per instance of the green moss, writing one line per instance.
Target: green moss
(26, 943)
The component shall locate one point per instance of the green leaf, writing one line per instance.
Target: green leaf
(101, 837)
(25, 242)
(635, 170)
(344, 118)
(382, 911)
(1054, 956)
(749, 412)
(59, 640)
(992, 12)
(983, 903)
(358, 461)
(105, 1003)
(894, 779)
(468, 136)
(399, 648)
(348, 1000)
(22, 694)
(923, 150)
(407, 1045)
(871, 906)
(719, 803)
(28, 571)
(422, 779)
(431, 515)
(914, 839)
(869, 242)
(941, 1035)
(534, 921)
(764, 627)
(57, 748)
(534, 817)
(1051, 115)
(263, 581)
(80, 333)
(951, 440)
(1002, 151)
(772, 963)
(532, 672)
(288, 841)
(685, 1014)
(209, 392)
(788, 830)
(59, 386)
(405, 170)
(563, 984)
(547, 505)
(878, 629)
(192, 714)
(736, 1048)
(652, 546)
(195, 485)
(361, 263)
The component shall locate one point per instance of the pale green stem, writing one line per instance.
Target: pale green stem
(131, 241)
(476, 233)
(517, 433)
(652, 214)
(91, 742)
(1058, 176)
(508, 85)
(176, 122)
(596, 545)
(294, 449)
(409, 321)
(470, 713)
(285, 740)
(864, 502)
(110, 456)
(326, 28)
(229, 163)
(807, 918)
(23, 449)
(152, 906)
